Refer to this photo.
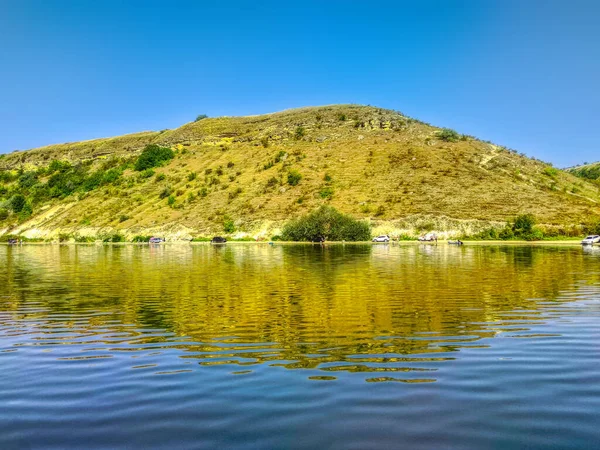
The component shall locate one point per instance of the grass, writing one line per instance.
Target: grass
(399, 167)
(587, 171)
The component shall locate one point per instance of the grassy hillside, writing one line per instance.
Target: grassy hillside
(251, 174)
(590, 172)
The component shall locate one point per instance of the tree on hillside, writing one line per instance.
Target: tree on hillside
(17, 202)
(153, 156)
(448, 135)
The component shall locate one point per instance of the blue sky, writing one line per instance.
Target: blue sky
(524, 74)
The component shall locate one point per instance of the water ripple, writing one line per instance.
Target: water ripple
(299, 346)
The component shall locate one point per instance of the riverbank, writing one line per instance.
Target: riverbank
(394, 243)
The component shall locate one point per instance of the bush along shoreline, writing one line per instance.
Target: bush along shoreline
(326, 224)
(523, 228)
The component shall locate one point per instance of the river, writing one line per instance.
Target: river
(299, 346)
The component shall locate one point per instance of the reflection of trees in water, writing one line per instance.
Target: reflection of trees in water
(359, 305)
(522, 256)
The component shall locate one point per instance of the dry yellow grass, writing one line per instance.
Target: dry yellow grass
(366, 161)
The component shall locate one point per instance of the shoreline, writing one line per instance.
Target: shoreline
(399, 243)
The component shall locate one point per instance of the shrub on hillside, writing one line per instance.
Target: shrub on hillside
(200, 117)
(58, 166)
(3, 214)
(17, 203)
(448, 135)
(329, 224)
(326, 192)
(294, 177)
(27, 179)
(147, 173)
(6, 176)
(272, 182)
(25, 212)
(166, 192)
(228, 225)
(234, 193)
(550, 171)
(153, 156)
(590, 173)
(101, 178)
(93, 181)
(64, 182)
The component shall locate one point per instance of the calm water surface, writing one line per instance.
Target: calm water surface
(295, 346)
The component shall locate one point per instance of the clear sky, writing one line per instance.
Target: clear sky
(524, 74)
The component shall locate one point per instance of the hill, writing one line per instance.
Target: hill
(589, 172)
(248, 175)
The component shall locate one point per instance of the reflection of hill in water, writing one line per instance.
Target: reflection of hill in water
(354, 307)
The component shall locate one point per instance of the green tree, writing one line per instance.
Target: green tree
(153, 156)
(523, 224)
(448, 135)
(329, 224)
(17, 203)
(27, 179)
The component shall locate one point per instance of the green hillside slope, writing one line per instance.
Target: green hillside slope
(589, 172)
(248, 175)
